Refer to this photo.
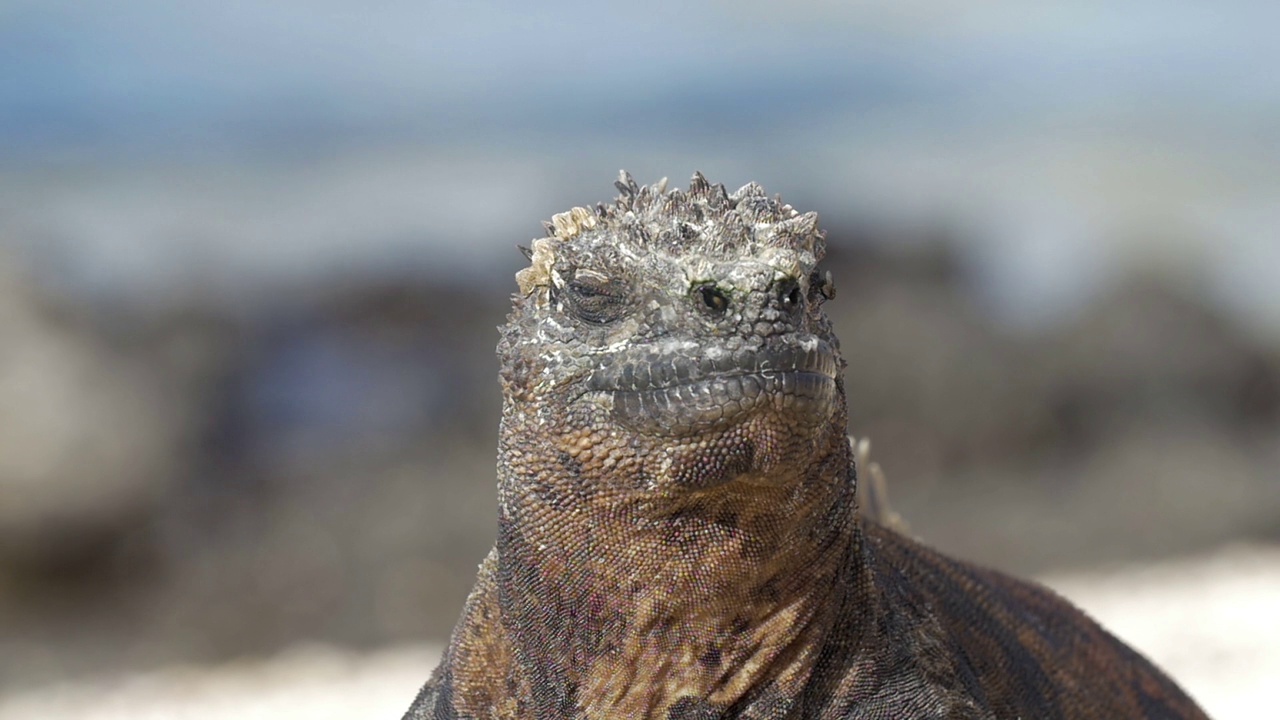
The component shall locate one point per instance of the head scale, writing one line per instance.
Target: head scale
(704, 219)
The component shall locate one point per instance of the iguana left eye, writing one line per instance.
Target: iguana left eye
(594, 301)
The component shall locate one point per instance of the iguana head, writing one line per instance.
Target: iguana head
(672, 342)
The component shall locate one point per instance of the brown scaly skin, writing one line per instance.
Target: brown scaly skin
(677, 527)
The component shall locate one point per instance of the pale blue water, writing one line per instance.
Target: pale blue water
(154, 144)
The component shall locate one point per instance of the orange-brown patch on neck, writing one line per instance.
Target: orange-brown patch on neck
(685, 644)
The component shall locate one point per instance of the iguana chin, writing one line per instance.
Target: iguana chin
(677, 529)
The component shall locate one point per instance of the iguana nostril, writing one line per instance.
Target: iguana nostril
(789, 296)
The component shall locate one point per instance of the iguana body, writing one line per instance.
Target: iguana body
(678, 534)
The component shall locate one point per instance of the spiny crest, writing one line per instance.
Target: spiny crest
(704, 218)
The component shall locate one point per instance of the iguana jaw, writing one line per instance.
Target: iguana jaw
(683, 394)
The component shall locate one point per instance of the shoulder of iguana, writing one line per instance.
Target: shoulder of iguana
(1026, 648)
(474, 644)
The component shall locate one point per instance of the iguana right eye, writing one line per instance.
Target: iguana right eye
(595, 302)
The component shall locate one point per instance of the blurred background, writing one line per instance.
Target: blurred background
(252, 257)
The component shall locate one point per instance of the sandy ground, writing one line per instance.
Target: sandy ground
(1213, 622)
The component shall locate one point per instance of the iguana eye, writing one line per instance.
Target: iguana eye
(712, 299)
(595, 301)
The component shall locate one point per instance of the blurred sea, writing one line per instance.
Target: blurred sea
(183, 147)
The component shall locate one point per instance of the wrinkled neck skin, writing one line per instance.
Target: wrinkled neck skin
(625, 594)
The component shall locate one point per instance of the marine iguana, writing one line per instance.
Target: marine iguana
(677, 533)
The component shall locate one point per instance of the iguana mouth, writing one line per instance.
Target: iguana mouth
(674, 394)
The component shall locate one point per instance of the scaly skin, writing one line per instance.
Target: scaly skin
(678, 534)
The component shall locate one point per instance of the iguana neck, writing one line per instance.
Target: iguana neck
(628, 607)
